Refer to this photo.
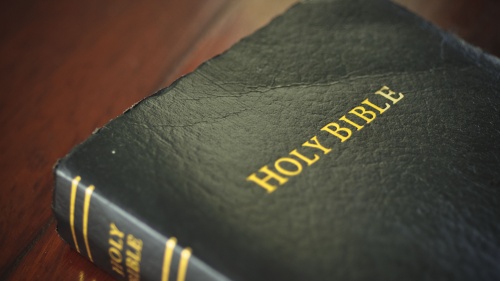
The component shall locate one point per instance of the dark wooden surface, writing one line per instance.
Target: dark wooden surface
(68, 67)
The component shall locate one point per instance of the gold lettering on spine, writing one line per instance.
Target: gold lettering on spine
(115, 255)
(86, 205)
(125, 252)
(286, 172)
(343, 137)
(388, 95)
(115, 265)
(74, 186)
(183, 264)
(316, 145)
(133, 276)
(134, 243)
(167, 259)
(358, 127)
(114, 231)
(116, 244)
(263, 182)
(115, 247)
(133, 259)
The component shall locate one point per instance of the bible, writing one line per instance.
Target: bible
(346, 140)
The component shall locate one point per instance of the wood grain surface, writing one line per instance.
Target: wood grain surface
(68, 67)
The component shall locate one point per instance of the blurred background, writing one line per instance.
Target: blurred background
(68, 67)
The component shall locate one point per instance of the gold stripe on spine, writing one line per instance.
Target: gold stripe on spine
(74, 185)
(86, 205)
(167, 259)
(183, 264)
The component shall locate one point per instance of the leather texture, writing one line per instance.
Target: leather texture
(414, 195)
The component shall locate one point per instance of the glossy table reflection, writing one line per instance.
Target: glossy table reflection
(68, 67)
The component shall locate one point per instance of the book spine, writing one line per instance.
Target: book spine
(116, 241)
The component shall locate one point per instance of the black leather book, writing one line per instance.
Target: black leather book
(346, 140)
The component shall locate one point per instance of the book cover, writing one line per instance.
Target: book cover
(346, 140)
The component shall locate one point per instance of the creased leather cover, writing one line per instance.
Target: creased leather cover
(413, 195)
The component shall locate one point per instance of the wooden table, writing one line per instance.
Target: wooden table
(68, 67)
